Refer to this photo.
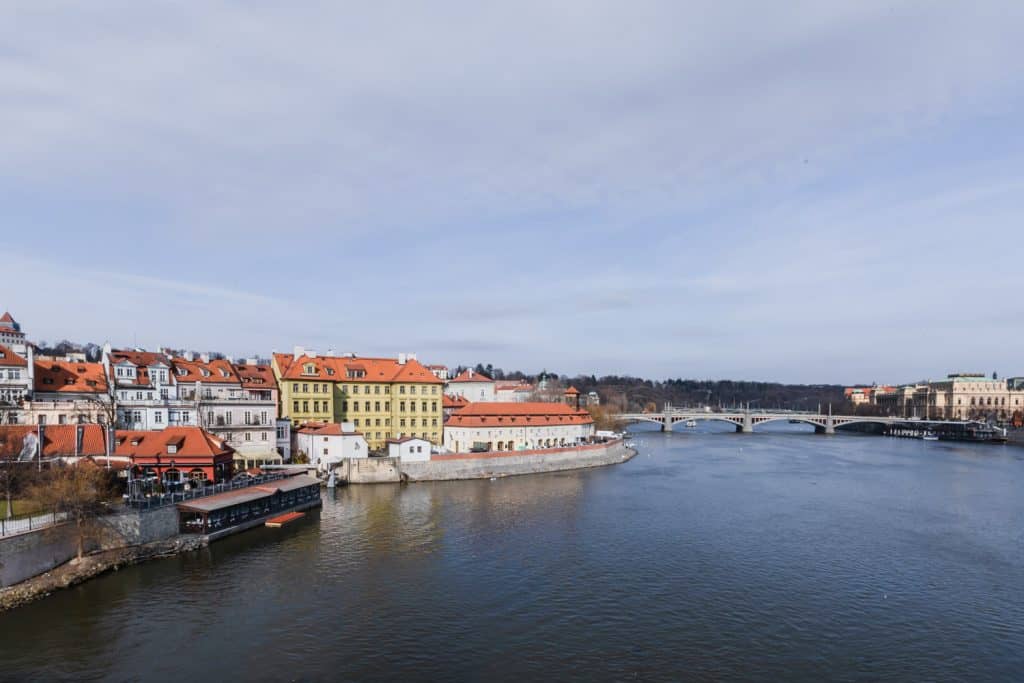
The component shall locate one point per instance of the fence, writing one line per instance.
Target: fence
(158, 500)
(21, 525)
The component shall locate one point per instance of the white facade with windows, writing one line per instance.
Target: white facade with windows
(472, 386)
(327, 445)
(409, 449)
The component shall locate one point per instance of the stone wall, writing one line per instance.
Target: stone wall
(477, 466)
(24, 555)
(137, 527)
(369, 470)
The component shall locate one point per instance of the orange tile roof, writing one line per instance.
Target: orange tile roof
(329, 429)
(220, 372)
(142, 360)
(191, 442)
(58, 440)
(7, 318)
(68, 377)
(472, 376)
(336, 369)
(572, 390)
(448, 401)
(9, 358)
(518, 415)
(256, 376)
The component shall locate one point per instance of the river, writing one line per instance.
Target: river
(781, 555)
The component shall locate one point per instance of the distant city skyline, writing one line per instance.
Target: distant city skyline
(827, 194)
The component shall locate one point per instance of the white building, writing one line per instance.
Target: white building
(513, 392)
(146, 390)
(328, 444)
(11, 335)
(16, 375)
(472, 386)
(439, 371)
(68, 392)
(516, 426)
(409, 449)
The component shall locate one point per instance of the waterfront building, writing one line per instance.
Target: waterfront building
(16, 372)
(383, 398)
(68, 392)
(472, 385)
(306, 386)
(325, 445)
(516, 426)
(961, 396)
(231, 511)
(513, 392)
(176, 454)
(409, 449)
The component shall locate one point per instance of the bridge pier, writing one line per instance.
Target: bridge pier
(666, 426)
(830, 425)
(748, 424)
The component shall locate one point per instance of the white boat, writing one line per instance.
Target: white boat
(691, 423)
(930, 436)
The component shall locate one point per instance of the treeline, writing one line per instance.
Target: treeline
(636, 393)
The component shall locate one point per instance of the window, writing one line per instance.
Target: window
(305, 406)
(158, 417)
(376, 389)
(295, 387)
(263, 436)
(248, 436)
(324, 389)
(325, 451)
(62, 419)
(355, 406)
(305, 388)
(401, 422)
(434, 390)
(424, 407)
(42, 419)
(248, 417)
(185, 417)
(387, 406)
(401, 389)
(376, 406)
(316, 388)
(356, 422)
(366, 406)
(295, 406)
(401, 406)
(263, 418)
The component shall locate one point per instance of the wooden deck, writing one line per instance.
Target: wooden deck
(286, 518)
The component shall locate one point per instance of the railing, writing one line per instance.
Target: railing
(21, 525)
(158, 500)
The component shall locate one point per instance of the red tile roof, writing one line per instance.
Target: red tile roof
(472, 376)
(9, 358)
(68, 377)
(337, 369)
(256, 377)
(518, 415)
(218, 371)
(572, 391)
(6, 318)
(58, 440)
(191, 442)
(454, 401)
(330, 429)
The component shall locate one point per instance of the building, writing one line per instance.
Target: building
(439, 371)
(241, 411)
(449, 404)
(60, 441)
(516, 426)
(325, 445)
(961, 396)
(146, 390)
(571, 397)
(11, 334)
(409, 449)
(67, 392)
(384, 398)
(513, 392)
(16, 373)
(472, 385)
(176, 454)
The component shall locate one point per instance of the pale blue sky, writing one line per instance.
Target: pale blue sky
(806, 192)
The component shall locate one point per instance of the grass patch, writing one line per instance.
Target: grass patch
(21, 508)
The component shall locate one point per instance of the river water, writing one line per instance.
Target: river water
(781, 555)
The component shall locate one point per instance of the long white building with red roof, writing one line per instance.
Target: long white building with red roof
(516, 426)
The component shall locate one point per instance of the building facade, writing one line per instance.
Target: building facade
(383, 398)
(68, 392)
(11, 334)
(472, 386)
(326, 445)
(961, 396)
(516, 426)
(16, 373)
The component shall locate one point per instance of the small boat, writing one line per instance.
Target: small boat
(930, 436)
(691, 423)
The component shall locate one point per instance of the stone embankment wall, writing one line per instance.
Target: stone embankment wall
(505, 464)
(369, 470)
(25, 555)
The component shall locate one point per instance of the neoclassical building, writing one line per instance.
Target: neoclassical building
(961, 396)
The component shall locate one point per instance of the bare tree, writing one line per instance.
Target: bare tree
(80, 491)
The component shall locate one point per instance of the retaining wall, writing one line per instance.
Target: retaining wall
(369, 470)
(512, 463)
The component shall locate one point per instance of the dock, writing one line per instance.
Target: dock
(286, 518)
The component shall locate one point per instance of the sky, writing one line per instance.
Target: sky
(807, 192)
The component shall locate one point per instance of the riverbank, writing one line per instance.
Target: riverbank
(456, 466)
(76, 571)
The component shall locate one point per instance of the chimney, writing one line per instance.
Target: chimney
(298, 351)
(251, 361)
(230, 359)
(330, 352)
(188, 356)
(401, 359)
(205, 357)
(412, 356)
(311, 353)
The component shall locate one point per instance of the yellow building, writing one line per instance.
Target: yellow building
(383, 397)
(305, 387)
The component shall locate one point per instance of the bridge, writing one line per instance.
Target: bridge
(746, 420)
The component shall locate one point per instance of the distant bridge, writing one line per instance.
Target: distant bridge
(745, 420)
